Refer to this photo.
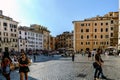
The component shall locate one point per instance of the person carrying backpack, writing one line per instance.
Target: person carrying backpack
(98, 66)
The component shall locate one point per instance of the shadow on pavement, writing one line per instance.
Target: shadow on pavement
(82, 75)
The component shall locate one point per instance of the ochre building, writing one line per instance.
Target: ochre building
(96, 32)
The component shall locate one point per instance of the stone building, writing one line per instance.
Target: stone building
(64, 40)
(8, 33)
(30, 39)
(96, 32)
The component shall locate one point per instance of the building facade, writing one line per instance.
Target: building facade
(30, 39)
(52, 43)
(8, 33)
(64, 40)
(46, 35)
(96, 32)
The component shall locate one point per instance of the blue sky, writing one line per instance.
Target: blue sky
(56, 15)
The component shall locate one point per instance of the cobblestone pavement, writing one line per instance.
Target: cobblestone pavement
(59, 68)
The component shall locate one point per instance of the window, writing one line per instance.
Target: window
(19, 32)
(111, 28)
(111, 34)
(106, 36)
(11, 30)
(88, 24)
(110, 14)
(101, 24)
(20, 37)
(95, 30)
(15, 26)
(87, 36)
(96, 43)
(107, 43)
(21, 41)
(106, 29)
(101, 36)
(101, 29)
(106, 24)
(95, 24)
(87, 43)
(81, 30)
(4, 24)
(15, 35)
(82, 24)
(81, 43)
(81, 36)
(15, 30)
(6, 34)
(13, 40)
(111, 21)
(10, 25)
(95, 36)
(87, 30)
(25, 33)
(5, 29)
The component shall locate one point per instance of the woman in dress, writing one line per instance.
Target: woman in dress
(24, 63)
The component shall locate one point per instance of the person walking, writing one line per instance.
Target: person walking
(82, 52)
(24, 63)
(98, 66)
(93, 52)
(5, 65)
(73, 56)
(89, 54)
(34, 56)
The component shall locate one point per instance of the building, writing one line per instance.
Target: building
(8, 33)
(52, 43)
(30, 39)
(96, 32)
(46, 35)
(64, 40)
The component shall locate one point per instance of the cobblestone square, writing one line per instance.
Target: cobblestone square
(62, 68)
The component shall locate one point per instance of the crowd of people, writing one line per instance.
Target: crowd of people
(7, 65)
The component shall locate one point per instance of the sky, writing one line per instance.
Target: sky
(56, 15)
